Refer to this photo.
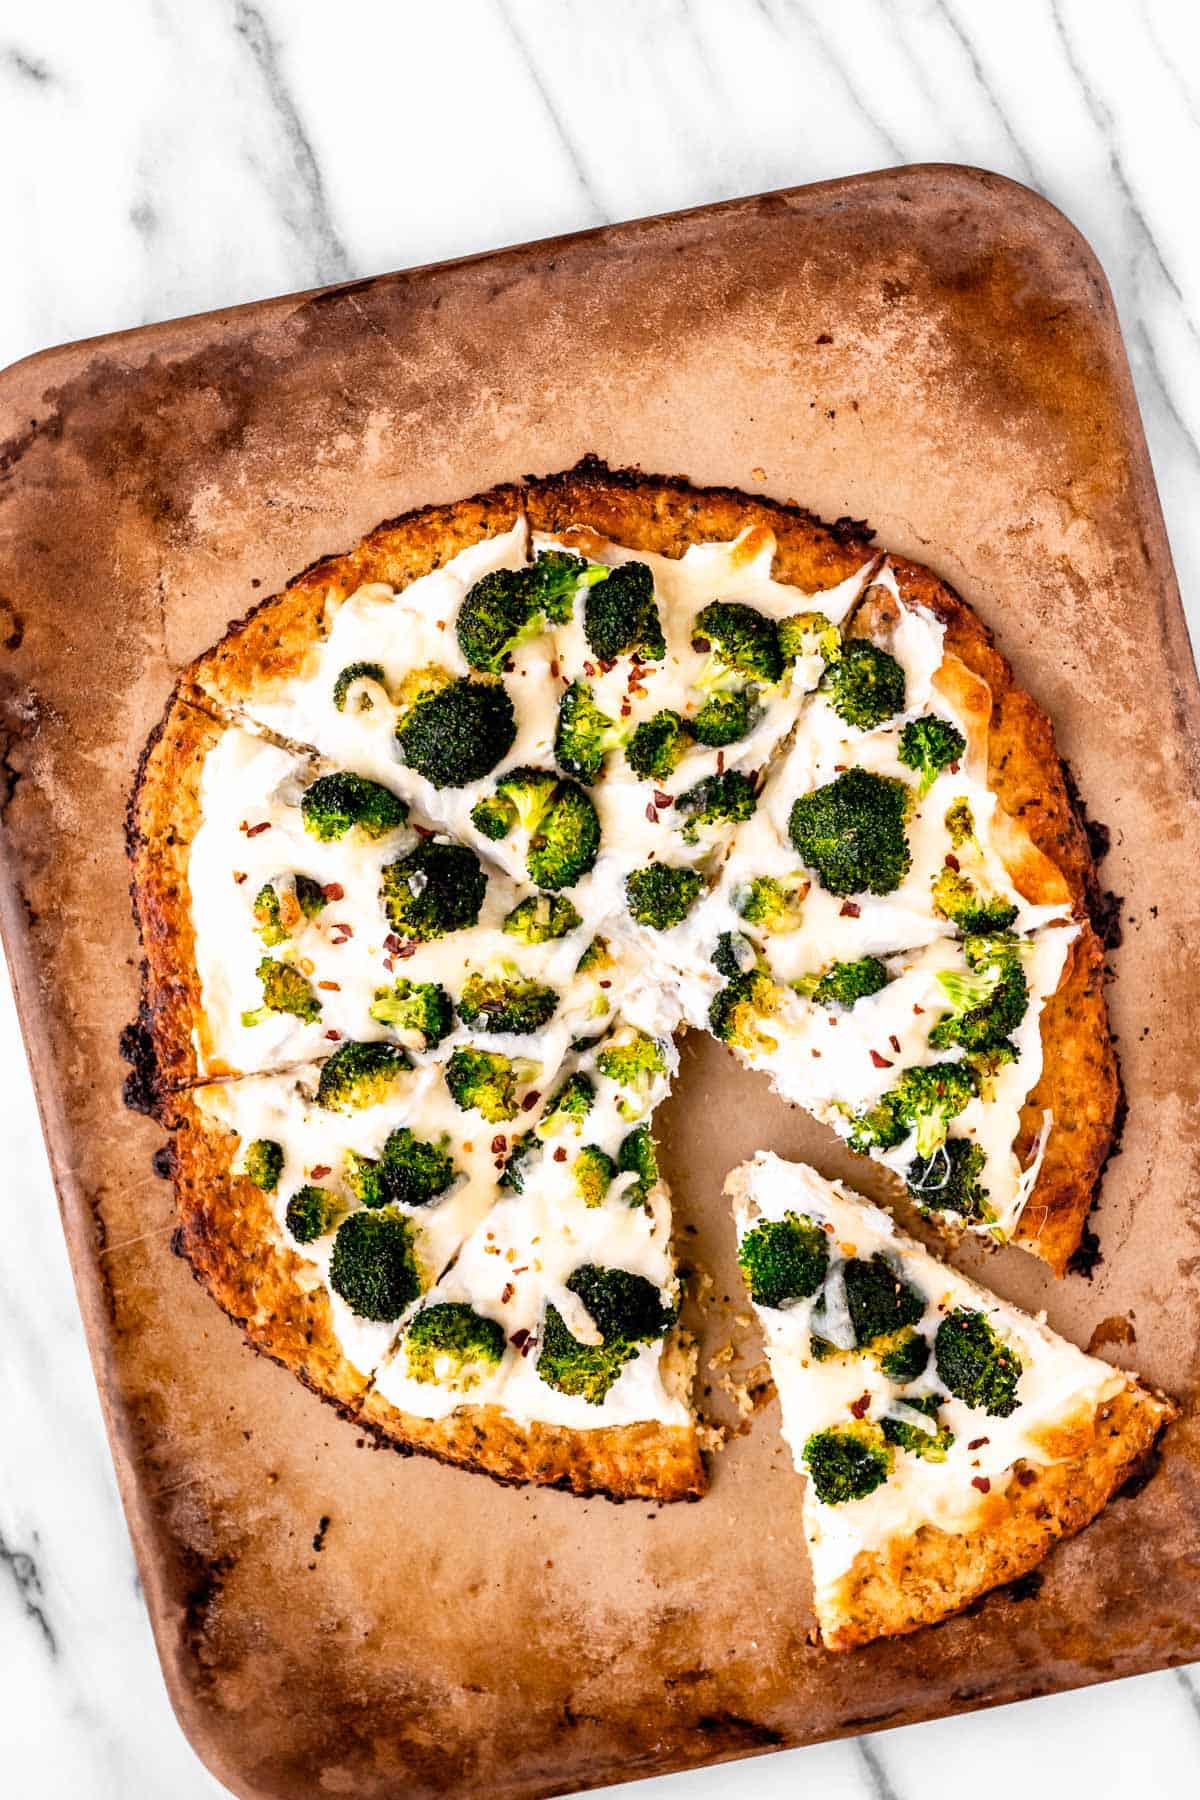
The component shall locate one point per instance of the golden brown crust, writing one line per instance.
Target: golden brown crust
(919, 1579)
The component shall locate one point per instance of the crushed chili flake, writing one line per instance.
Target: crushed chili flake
(333, 890)
(530, 1101)
(499, 1144)
(881, 1062)
(524, 1268)
(814, 1053)
(257, 830)
(894, 1041)
(560, 1154)
(507, 1292)
(239, 875)
(858, 1407)
(321, 1171)
(850, 909)
(720, 762)
(663, 800)
(554, 667)
(982, 1483)
(589, 668)
(333, 1036)
(952, 861)
(520, 1340)
(701, 644)
(626, 709)
(393, 943)
(407, 950)
(388, 964)
(341, 925)
(651, 814)
(918, 1010)
(978, 1443)
(604, 984)
(423, 831)
(607, 664)
(331, 987)
(954, 768)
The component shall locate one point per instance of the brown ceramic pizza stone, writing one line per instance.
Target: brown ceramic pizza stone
(932, 349)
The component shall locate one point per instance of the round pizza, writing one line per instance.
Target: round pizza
(439, 850)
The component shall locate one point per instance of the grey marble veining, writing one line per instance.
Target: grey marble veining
(168, 156)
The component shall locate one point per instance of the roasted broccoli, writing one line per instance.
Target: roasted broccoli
(507, 605)
(661, 896)
(989, 1002)
(775, 903)
(626, 1309)
(263, 1164)
(726, 717)
(596, 956)
(514, 1171)
(435, 889)
(358, 671)
(725, 799)
(960, 823)
(865, 684)
(847, 1462)
(408, 1172)
(541, 917)
(637, 1157)
(569, 1107)
(634, 1065)
(740, 1010)
(373, 1267)
(734, 955)
(584, 735)
(484, 1080)
(280, 906)
(658, 745)
(594, 1172)
(336, 804)
(450, 1342)
(809, 634)
(420, 1011)
(284, 990)
(505, 1004)
(958, 899)
(904, 1356)
(311, 1212)
(928, 746)
(561, 822)
(783, 1259)
(906, 1434)
(740, 640)
(924, 1100)
(948, 1180)
(620, 617)
(845, 983)
(975, 1364)
(457, 732)
(360, 1074)
(881, 1302)
(851, 831)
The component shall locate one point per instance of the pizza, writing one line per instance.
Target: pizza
(437, 852)
(949, 1440)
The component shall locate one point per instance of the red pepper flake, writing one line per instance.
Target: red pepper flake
(952, 861)
(560, 1154)
(589, 668)
(604, 984)
(423, 831)
(388, 964)
(651, 814)
(239, 875)
(814, 1053)
(333, 1036)
(850, 909)
(393, 943)
(982, 1483)
(523, 1270)
(832, 1018)
(954, 768)
(663, 800)
(894, 1041)
(918, 1010)
(333, 890)
(499, 1144)
(607, 663)
(330, 987)
(1026, 1477)
(840, 768)
(506, 1293)
(978, 1443)
(720, 762)
(626, 709)
(881, 1062)
(341, 925)
(520, 1340)
(530, 1101)
(858, 1407)
(702, 644)
(407, 950)
(554, 667)
(257, 830)
(321, 1171)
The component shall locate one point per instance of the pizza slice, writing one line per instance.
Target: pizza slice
(949, 1440)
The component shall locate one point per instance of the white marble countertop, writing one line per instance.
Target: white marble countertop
(167, 156)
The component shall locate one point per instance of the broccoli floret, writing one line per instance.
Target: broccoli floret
(556, 576)
(774, 902)
(336, 804)
(948, 1180)
(661, 896)
(880, 1301)
(865, 684)
(960, 823)
(626, 1309)
(505, 1004)
(409, 1172)
(263, 1164)
(450, 1342)
(734, 955)
(456, 733)
(596, 956)
(924, 1100)
(726, 717)
(496, 613)
(809, 634)
(584, 735)
(931, 1445)
(420, 1010)
(620, 617)
(851, 831)
(989, 1003)
(847, 1462)
(541, 917)
(514, 1171)
(281, 905)
(311, 1212)
(569, 1107)
(566, 843)
(284, 990)
(594, 1173)
(357, 671)
(484, 1080)
(435, 889)
(740, 640)
(373, 1267)
(637, 1157)
(958, 899)
(904, 1357)
(975, 1364)
(717, 800)
(740, 1010)
(987, 1064)
(845, 983)
(658, 745)
(526, 794)
(928, 746)
(633, 1065)
(360, 1074)
(783, 1259)
(492, 817)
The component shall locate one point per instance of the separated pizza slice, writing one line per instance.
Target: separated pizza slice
(949, 1440)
